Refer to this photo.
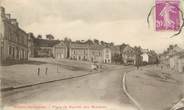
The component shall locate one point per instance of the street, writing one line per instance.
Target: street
(103, 88)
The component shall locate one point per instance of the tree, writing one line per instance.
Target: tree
(49, 37)
(96, 41)
(111, 44)
(31, 35)
(122, 46)
(117, 58)
(89, 42)
(67, 42)
(39, 37)
(138, 56)
(102, 42)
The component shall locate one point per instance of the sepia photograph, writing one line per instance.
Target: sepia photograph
(91, 55)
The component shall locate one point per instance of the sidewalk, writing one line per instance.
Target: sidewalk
(28, 74)
(155, 88)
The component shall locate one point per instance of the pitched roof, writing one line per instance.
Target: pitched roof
(180, 54)
(96, 47)
(78, 45)
(128, 48)
(46, 43)
(61, 44)
(144, 50)
(115, 48)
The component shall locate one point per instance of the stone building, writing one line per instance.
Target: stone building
(96, 53)
(79, 51)
(14, 40)
(92, 53)
(116, 54)
(128, 55)
(60, 51)
(107, 55)
(44, 47)
(176, 61)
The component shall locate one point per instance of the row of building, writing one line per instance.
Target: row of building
(173, 58)
(89, 52)
(13, 40)
(17, 45)
(82, 51)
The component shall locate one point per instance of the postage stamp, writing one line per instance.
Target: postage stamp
(167, 15)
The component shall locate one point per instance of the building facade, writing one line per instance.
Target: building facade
(176, 61)
(14, 41)
(60, 51)
(44, 47)
(107, 55)
(145, 57)
(96, 53)
(116, 56)
(92, 53)
(128, 55)
(79, 51)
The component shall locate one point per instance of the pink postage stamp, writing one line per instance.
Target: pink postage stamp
(167, 15)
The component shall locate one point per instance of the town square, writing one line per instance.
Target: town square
(87, 55)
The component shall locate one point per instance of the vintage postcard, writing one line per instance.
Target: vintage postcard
(92, 55)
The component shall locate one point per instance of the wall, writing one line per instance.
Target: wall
(107, 55)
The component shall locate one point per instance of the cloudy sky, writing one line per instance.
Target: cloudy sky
(115, 21)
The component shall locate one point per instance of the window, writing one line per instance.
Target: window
(9, 50)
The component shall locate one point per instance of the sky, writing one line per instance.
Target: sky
(118, 21)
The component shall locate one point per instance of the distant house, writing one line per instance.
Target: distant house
(167, 57)
(149, 58)
(115, 50)
(96, 53)
(145, 58)
(128, 55)
(173, 56)
(174, 50)
(107, 55)
(78, 51)
(175, 60)
(44, 48)
(60, 51)
(116, 54)
(92, 52)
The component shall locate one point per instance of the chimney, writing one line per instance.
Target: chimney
(14, 22)
(8, 16)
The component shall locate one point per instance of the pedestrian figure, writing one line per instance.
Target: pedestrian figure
(38, 71)
(46, 71)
